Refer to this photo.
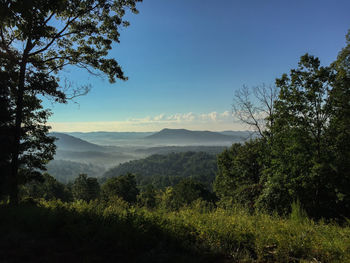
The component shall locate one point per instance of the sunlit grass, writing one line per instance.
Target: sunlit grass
(193, 234)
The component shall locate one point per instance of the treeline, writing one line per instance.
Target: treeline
(123, 187)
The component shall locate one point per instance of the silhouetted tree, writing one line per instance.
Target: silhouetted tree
(38, 39)
(48, 188)
(35, 148)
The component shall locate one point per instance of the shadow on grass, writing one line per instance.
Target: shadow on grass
(31, 233)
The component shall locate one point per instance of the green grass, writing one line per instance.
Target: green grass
(115, 232)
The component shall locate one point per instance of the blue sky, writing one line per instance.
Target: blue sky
(185, 58)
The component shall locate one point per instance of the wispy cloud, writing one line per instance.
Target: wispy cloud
(215, 121)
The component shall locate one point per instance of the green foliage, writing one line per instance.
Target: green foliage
(168, 170)
(123, 186)
(85, 188)
(240, 172)
(47, 188)
(303, 154)
(115, 231)
(186, 192)
(297, 214)
(148, 197)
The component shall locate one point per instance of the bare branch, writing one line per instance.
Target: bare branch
(72, 92)
(254, 107)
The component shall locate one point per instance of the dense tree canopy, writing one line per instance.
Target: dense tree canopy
(85, 188)
(189, 190)
(123, 186)
(239, 173)
(47, 188)
(170, 169)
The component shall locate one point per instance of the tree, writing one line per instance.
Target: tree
(85, 188)
(147, 197)
(240, 172)
(123, 186)
(339, 127)
(35, 148)
(187, 191)
(303, 165)
(255, 107)
(48, 188)
(39, 38)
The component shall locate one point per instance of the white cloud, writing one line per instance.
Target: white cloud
(159, 117)
(226, 114)
(206, 121)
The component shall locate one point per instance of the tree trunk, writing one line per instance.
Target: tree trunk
(17, 136)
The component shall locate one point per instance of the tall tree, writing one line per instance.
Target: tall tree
(339, 127)
(302, 166)
(39, 38)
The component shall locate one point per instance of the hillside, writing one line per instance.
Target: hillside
(187, 136)
(167, 170)
(66, 171)
(179, 149)
(68, 142)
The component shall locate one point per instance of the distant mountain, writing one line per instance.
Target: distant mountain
(110, 138)
(187, 136)
(70, 148)
(69, 143)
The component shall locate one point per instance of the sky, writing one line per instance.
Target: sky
(185, 58)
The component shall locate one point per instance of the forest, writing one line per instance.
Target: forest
(281, 196)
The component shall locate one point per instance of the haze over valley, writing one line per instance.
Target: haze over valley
(94, 153)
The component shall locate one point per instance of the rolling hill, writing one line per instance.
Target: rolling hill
(166, 170)
(70, 148)
(70, 143)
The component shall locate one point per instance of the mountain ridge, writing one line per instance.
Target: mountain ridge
(68, 142)
(189, 135)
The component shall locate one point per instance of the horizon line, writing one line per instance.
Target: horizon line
(246, 130)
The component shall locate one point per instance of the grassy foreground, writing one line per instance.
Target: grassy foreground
(116, 232)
